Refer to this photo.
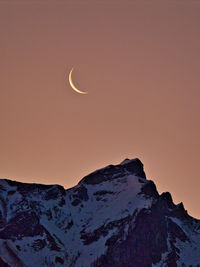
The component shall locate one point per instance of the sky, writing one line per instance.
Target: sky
(139, 61)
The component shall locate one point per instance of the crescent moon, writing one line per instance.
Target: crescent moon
(73, 86)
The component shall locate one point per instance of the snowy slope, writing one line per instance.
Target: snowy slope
(113, 217)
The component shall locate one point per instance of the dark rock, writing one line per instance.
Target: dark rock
(54, 192)
(136, 239)
(59, 260)
(180, 212)
(165, 202)
(69, 225)
(134, 167)
(2, 220)
(102, 192)
(76, 202)
(49, 214)
(176, 232)
(149, 190)
(62, 202)
(146, 239)
(102, 175)
(166, 196)
(14, 255)
(18, 248)
(23, 224)
(80, 194)
(3, 264)
(38, 244)
(89, 238)
(27, 188)
(11, 192)
(51, 242)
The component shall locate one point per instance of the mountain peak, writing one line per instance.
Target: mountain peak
(113, 217)
(135, 166)
(110, 172)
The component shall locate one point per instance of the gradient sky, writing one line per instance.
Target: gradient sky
(139, 61)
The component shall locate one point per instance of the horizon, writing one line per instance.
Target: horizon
(139, 63)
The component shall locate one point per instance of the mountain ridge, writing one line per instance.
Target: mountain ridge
(112, 217)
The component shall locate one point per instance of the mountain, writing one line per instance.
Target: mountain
(113, 217)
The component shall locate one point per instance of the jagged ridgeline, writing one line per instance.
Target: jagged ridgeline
(113, 217)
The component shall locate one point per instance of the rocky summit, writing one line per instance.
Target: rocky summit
(113, 217)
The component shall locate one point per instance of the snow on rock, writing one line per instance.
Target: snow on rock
(113, 217)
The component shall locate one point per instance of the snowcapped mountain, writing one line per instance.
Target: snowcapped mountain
(113, 217)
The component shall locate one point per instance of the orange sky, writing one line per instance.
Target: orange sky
(139, 61)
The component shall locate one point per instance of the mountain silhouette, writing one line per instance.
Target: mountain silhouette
(112, 217)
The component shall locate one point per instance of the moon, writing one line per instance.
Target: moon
(72, 84)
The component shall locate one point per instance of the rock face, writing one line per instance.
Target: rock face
(113, 217)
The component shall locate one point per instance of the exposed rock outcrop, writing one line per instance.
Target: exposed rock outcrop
(113, 217)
